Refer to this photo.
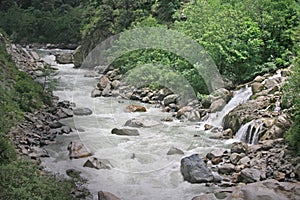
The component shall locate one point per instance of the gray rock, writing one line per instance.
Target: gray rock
(67, 111)
(65, 58)
(174, 150)
(106, 92)
(227, 134)
(107, 196)
(239, 147)
(124, 131)
(163, 93)
(194, 170)
(248, 175)
(244, 161)
(265, 190)
(235, 157)
(37, 152)
(205, 197)
(279, 176)
(82, 111)
(297, 170)
(115, 84)
(170, 99)
(226, 168)
(55, 124)
(101, 69)
(78, 150)
(97, 163)
(216, 153)
(96, 93)
(217, 105)
(257, 87)
(146, 123)
(103, 82)
(73, 173)
(66, 129)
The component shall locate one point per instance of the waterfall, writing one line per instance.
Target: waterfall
(239, 97)
(250, 132)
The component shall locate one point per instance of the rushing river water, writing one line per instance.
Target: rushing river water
(142, 170)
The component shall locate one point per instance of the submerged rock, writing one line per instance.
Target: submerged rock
(124, 131)
(82, 111)
(146, 123)
(174, 150)
(194, 170)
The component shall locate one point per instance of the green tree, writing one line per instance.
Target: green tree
(292, 100)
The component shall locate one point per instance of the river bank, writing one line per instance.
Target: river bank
(37, 127)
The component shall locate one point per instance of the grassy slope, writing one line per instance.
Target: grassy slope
(21, 179)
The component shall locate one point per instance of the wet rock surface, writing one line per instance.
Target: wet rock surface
(39, 129)
(125, 132)
(78, 150)
(268, 189)
(270, 159)
(97, 163)
(194, 170)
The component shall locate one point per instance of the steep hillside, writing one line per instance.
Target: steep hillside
(20, 95)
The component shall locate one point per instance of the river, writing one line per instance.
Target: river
(142, 170)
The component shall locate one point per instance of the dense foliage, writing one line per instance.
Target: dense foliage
(292, 100)
(55, 21)
(22, 180)
(19, 179)
(245, 38)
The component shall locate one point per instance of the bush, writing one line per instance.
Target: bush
(22, 180)
(292, 99)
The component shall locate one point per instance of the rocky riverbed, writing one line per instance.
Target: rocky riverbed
(267, 162)
(268, 165)
(40, 127)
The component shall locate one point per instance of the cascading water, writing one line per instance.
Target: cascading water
(239, 97)
(250, 132)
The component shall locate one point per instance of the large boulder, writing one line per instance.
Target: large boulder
(65, 58)
(146, 123)
(248, 175)
(170, 99)
(103, 82)
(78, 150)
(217, 105)
(125, 131)
(194, 170)
(257, 87)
